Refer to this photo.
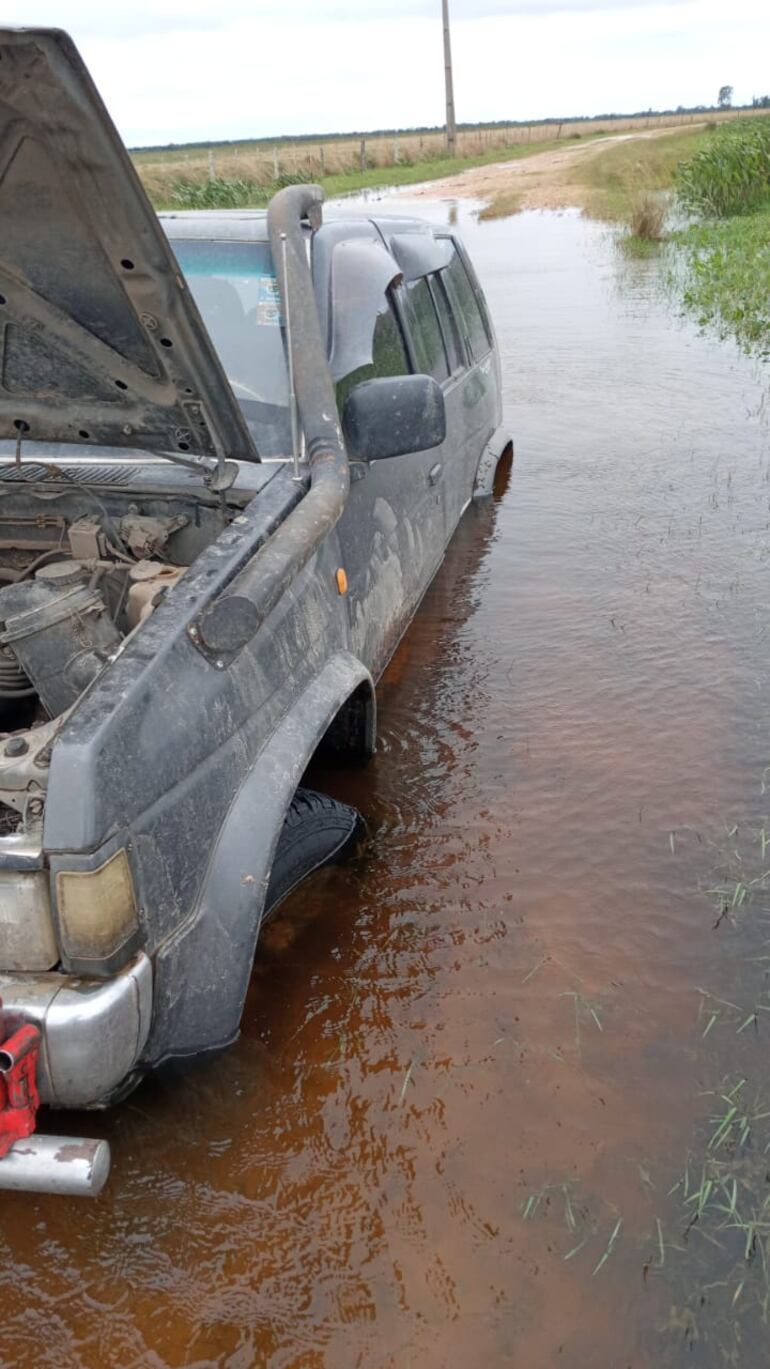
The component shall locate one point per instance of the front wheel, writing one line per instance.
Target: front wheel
(317, 831)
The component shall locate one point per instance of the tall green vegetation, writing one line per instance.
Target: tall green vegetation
(731, 174)
(230, 192)
(726, 186)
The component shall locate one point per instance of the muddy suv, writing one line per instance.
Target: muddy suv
(235, 446)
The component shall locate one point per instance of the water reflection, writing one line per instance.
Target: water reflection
(474, 1061)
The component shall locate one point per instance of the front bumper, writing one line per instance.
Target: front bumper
(93, 1030)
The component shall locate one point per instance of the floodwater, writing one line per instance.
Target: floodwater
(476, 1060)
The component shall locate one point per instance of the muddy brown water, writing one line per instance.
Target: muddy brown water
(504, 994)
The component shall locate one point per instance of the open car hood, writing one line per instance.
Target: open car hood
(100, 340)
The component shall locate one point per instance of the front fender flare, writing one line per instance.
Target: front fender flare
(202, 972)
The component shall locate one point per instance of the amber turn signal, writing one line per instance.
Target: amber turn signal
(342, 581)
(97, 909)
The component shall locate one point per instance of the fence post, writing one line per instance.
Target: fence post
(395, 151)
(212, 167)
(276, 165)
(362, 154)
(322, 159)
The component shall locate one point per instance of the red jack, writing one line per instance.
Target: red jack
(19, 1100)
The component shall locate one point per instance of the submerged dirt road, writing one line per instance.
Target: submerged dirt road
(547, 180)
(477, 1061)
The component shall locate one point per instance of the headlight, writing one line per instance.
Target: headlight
(97, 910)
(27, 940)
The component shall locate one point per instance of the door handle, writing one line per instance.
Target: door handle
(434, 474)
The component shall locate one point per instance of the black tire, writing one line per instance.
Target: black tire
(317, 830)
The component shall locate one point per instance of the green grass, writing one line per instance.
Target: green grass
(725, 278)
(611, 182)
(730, 173)
(723, 271)
(640, 249)
(240, 193)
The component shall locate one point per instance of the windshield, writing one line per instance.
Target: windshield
(235, 289)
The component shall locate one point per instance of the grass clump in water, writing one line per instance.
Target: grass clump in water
(647, 217)
(646, 224)
(726, 278)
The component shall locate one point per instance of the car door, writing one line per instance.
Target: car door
(472, 394)
(392, 532)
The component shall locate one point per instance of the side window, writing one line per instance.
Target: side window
(466, 307)
(424, 330)
(452, 343)
(388, 354)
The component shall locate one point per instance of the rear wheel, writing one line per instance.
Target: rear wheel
(317, 831)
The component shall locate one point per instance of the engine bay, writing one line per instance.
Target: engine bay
(80, 572)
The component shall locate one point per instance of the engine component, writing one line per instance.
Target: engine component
(145, 536)
(149, 579)
(86, 539)
(62, 574)
(61, 635)
(24, 762)
(13, 682)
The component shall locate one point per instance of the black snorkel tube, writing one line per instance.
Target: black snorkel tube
(233, 619)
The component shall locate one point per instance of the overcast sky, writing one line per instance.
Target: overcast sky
(184, 70)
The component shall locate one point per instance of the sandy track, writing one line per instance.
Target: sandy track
(543, 181)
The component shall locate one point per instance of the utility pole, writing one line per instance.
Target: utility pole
(451, 125)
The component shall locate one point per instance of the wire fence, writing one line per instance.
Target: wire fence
(264, 164)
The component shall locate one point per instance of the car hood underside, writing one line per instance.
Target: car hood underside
(100, 340)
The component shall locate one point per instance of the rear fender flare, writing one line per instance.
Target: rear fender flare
(499, 443)
(203, 970)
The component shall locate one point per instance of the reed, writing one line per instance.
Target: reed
(730, 174)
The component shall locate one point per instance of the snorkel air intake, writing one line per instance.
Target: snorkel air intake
(234, 618)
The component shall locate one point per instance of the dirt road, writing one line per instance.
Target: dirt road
(546, 180)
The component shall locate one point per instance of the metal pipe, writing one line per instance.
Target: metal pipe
(232, 620)
(66, 1165)
(290, 360)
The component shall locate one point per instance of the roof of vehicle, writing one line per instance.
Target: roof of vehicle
(250, 225)
(227, 224)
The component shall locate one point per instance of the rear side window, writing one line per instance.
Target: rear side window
(425, 331)
(466, 307)
(388, 354)
(448, 325)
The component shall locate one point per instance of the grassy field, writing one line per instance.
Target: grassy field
(239, 192)
(341, 164)
(611, 183)
(608, 184)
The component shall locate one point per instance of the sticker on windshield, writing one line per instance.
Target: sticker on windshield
(268, 302)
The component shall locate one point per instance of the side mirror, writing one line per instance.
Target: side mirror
(393, 416)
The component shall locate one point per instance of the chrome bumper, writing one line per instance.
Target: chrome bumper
(93, 1030)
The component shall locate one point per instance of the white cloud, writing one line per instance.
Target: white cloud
(193, 70)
